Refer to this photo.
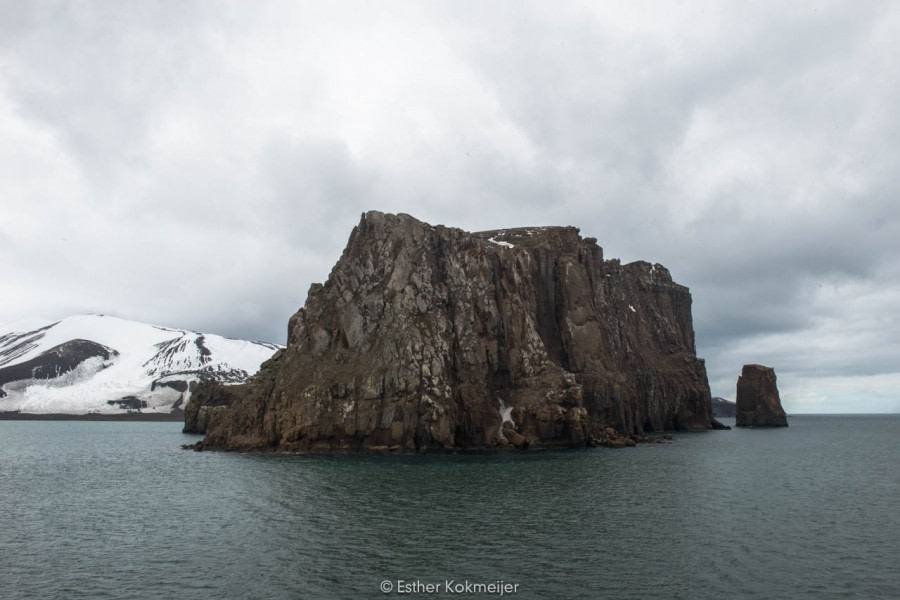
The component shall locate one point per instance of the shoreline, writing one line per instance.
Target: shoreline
(133, 416)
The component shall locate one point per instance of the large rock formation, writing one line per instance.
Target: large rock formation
(431, 338)
(758, 403)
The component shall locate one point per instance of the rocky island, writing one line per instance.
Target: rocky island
(758, 403)
(430, 338)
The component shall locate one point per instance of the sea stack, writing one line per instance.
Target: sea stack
(758, 403)
(430, 338)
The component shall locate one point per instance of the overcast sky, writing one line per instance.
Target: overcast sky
(200, 164)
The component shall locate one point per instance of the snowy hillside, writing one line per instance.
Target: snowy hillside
(100, 364)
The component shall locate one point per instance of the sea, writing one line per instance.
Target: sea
(119, 510)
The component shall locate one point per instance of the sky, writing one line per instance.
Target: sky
(200, 164)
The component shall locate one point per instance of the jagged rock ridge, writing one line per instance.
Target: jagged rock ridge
(431, 338)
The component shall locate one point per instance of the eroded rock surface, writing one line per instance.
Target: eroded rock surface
(758, 403)
(431, 338)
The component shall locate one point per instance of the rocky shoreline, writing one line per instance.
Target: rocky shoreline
(132, 416)
(612, 442)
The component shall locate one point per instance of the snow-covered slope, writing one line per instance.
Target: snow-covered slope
(100, 364)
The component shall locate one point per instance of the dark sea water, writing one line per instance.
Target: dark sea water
(118, 510)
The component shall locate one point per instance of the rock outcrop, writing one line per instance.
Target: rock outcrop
(208, 402)
(430, 338)
(758, 403)
(210, 398)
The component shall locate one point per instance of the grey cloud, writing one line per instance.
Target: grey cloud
(312, 187)
(98, 73)
(199, 166)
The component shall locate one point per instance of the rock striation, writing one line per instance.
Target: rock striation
(430, 338)
(758, 403)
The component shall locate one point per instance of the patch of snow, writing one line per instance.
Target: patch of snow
(505, 416)
(501, 243)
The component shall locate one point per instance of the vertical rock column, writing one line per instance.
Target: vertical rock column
(758, 403)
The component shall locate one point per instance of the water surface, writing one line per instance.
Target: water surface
(118, 510)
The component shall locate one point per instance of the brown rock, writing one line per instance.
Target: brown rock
(208, 402)
(431, 338)
(758, 403)
(511, 436)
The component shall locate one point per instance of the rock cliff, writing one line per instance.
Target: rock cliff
(431, 338)
(758, 403)
(208, 402)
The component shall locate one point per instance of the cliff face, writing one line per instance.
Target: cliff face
(209, 402)
(758, 403)
(431, 338)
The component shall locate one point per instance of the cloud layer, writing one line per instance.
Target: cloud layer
(200, 165)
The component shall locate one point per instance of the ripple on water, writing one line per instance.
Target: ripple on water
(116, 510)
